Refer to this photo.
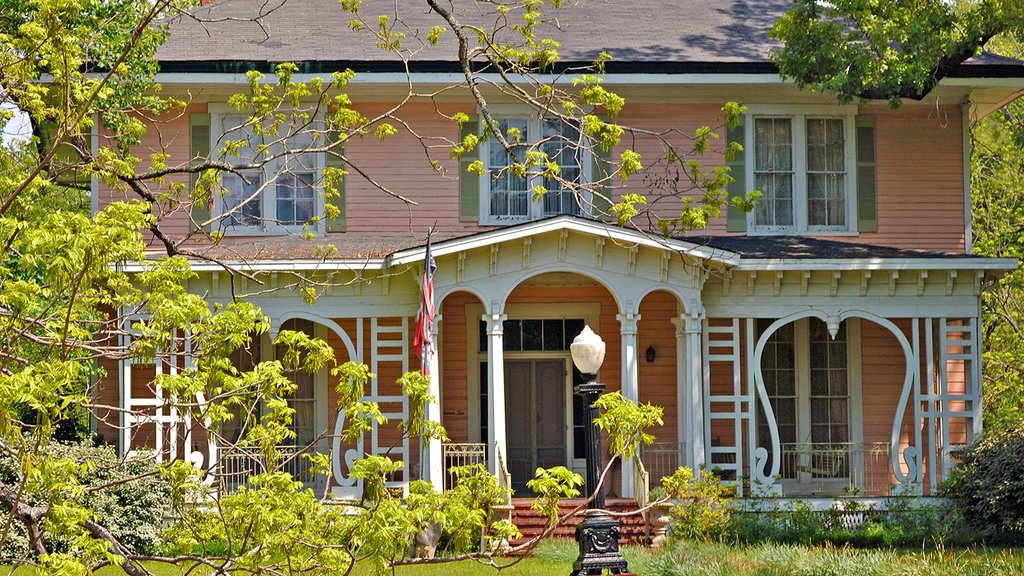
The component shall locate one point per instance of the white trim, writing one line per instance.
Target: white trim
(953, 263)
(965, 127)
(448, 78)
(279, 265)
(559, 223)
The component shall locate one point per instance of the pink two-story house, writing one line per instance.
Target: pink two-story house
(827, 340)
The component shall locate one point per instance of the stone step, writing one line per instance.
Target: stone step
(532, 523)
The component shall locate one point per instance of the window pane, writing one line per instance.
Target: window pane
(826, 173)
(242, 200)
(508, 191)
(295, 198)
(532, 335)
(773, 171)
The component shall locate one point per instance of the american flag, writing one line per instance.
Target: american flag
(425, 317)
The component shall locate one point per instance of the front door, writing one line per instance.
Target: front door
(535, 416)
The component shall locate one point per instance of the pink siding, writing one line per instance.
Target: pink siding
(167, 134)
(401, 164)
(919, 155)
(675, 123)
(658, 379)
(920, 178)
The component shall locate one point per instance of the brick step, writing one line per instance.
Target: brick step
(531, 523)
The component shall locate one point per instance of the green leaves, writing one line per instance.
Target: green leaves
(626, 423)
(885, 50)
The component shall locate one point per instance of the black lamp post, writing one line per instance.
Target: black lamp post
(598, 534)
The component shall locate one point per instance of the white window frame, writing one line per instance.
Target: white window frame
(536, 208)
(270, 173)
(799, 115)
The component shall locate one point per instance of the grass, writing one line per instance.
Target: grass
(712, 559)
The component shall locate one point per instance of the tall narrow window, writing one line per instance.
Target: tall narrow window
(509, 192)
(807, 379)
(558, 145)
(826, 172)
(773, 171)
(303, 401)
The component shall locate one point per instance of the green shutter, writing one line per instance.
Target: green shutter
(867, 210)
(199, 150)
(736, 219)
(333, 160)
(601, 168)
(469, 183)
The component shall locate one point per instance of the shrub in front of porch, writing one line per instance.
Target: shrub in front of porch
(987, 486)
(905, 523)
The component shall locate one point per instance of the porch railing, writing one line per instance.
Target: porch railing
(464, 454)
(659, 460)
(835, 469)
(238, 464)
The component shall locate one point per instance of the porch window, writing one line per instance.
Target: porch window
(806, 376)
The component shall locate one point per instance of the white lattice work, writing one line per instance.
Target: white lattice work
(734, 406)
(388, 344)
(172, 436)
(946, 400)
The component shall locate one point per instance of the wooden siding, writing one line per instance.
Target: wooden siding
(920, 191)
(920, 178)
(658, 379)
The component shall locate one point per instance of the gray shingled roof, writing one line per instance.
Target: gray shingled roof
(695, 31)
(661, 36)
(806, 247)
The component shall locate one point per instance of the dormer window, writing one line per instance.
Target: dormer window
(507, 197)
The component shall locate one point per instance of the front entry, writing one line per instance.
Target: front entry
(535, 413)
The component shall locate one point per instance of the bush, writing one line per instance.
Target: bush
(906, 523)
(128, 497)
(703, 506)
(987, 487)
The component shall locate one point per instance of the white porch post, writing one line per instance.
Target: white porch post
(630, 382)
(690, 382)
(434, 467)
(496, 439)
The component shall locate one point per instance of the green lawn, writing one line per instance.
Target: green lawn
(701, 559)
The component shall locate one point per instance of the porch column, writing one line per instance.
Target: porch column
(690, 381)
(496, 441)
(630, 382)
(695, 398)
(433, 469)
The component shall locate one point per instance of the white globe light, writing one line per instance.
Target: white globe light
(587, 351)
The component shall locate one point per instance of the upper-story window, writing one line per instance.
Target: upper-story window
(507, 197)
(278, 196)
(803, 166)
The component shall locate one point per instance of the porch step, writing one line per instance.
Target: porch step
(531, 523)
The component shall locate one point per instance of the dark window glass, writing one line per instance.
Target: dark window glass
(573, 327)
(533, 338)
(553, 335)
(513, 335)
